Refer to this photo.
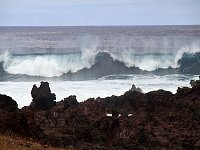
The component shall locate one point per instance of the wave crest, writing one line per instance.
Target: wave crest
(51, 65)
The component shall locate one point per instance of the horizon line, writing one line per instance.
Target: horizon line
(98, 25)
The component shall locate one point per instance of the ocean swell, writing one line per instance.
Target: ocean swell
(56, 64)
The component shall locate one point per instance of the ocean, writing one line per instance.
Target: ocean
(95, 61)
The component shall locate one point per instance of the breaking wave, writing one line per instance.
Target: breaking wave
(50, 65)
(46, 65)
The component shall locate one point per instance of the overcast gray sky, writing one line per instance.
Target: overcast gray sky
(98, 12)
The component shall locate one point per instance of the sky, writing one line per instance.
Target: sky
(98, 12)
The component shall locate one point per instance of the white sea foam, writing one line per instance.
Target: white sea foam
(148, 62)
(152, 61)
(187, 49)
(47, 65)
(50, 65)
(20, 91)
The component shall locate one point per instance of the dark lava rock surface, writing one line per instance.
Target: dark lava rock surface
(154, 120)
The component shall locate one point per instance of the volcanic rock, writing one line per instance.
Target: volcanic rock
(43, 99)
(133, 88)
(14, 121)
(7, 103)
(155, 120)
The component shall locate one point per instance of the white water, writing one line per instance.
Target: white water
(151, 61)
(20, 91)
(47, 65)
(50, 65)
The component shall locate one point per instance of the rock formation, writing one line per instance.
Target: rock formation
(7, 103)
(43, 99)
(14, 121)
(133, 88)
(154, 120)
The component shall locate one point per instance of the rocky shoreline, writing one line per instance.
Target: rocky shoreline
(134, 120)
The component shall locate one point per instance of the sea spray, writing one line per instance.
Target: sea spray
(56, 64)
(146, 61)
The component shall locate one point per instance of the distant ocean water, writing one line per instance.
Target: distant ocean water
(54, 51)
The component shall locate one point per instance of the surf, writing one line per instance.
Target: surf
(58, 64)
